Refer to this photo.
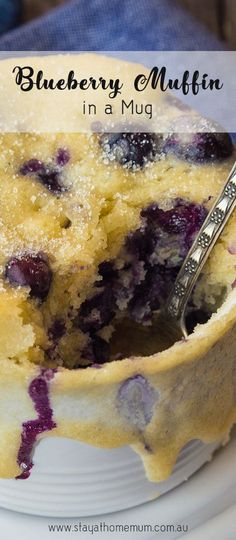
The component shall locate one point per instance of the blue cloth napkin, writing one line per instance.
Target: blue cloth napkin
(10, 11)
(113, 25)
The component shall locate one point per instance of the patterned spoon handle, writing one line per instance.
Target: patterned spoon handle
(201, 248)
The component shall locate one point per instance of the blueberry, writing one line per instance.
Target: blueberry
(97, 351)
(185, 218)
(197, 214)
(173, 221)
(141, 243)
(150, 295)
(199, 147)
(133, 150)
(136, 400)
(176, 221)
(107, 272)
(62, 157)
(32, 166)
(49, 177)
(97, 311)
(57, 330)
(139, 307)
(51, 180)
(30, 270)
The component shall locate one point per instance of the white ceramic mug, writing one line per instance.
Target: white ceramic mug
(72, 479)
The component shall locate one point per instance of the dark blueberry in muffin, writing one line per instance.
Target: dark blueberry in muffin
(173, 221)
(62, 157)
(32, 166)
(141, 243)
(107, 272)
(97, 350)
(48, 176)
(184, 218)
(96, 312)
(132, 150)
(199, 147)
(149, 296)
(51, 180)
(30, 270)
(57, 330)
(140, 308)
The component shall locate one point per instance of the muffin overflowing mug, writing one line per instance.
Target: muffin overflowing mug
(94, 229)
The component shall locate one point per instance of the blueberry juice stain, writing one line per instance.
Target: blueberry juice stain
(31, 429)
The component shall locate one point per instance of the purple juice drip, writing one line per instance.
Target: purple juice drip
(39, 393)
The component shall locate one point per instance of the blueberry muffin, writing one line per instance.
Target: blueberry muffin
(94, 229)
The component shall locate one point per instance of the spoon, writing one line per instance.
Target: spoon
(171, 320)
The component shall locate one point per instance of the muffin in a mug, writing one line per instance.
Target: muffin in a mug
(94, 229)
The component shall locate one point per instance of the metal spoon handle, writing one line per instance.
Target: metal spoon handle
(201, 249)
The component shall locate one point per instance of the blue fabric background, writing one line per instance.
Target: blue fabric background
(113, 25)
(10, 11)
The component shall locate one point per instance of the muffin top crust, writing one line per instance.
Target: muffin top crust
(72, 204)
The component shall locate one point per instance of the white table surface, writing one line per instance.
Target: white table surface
(206, 503)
